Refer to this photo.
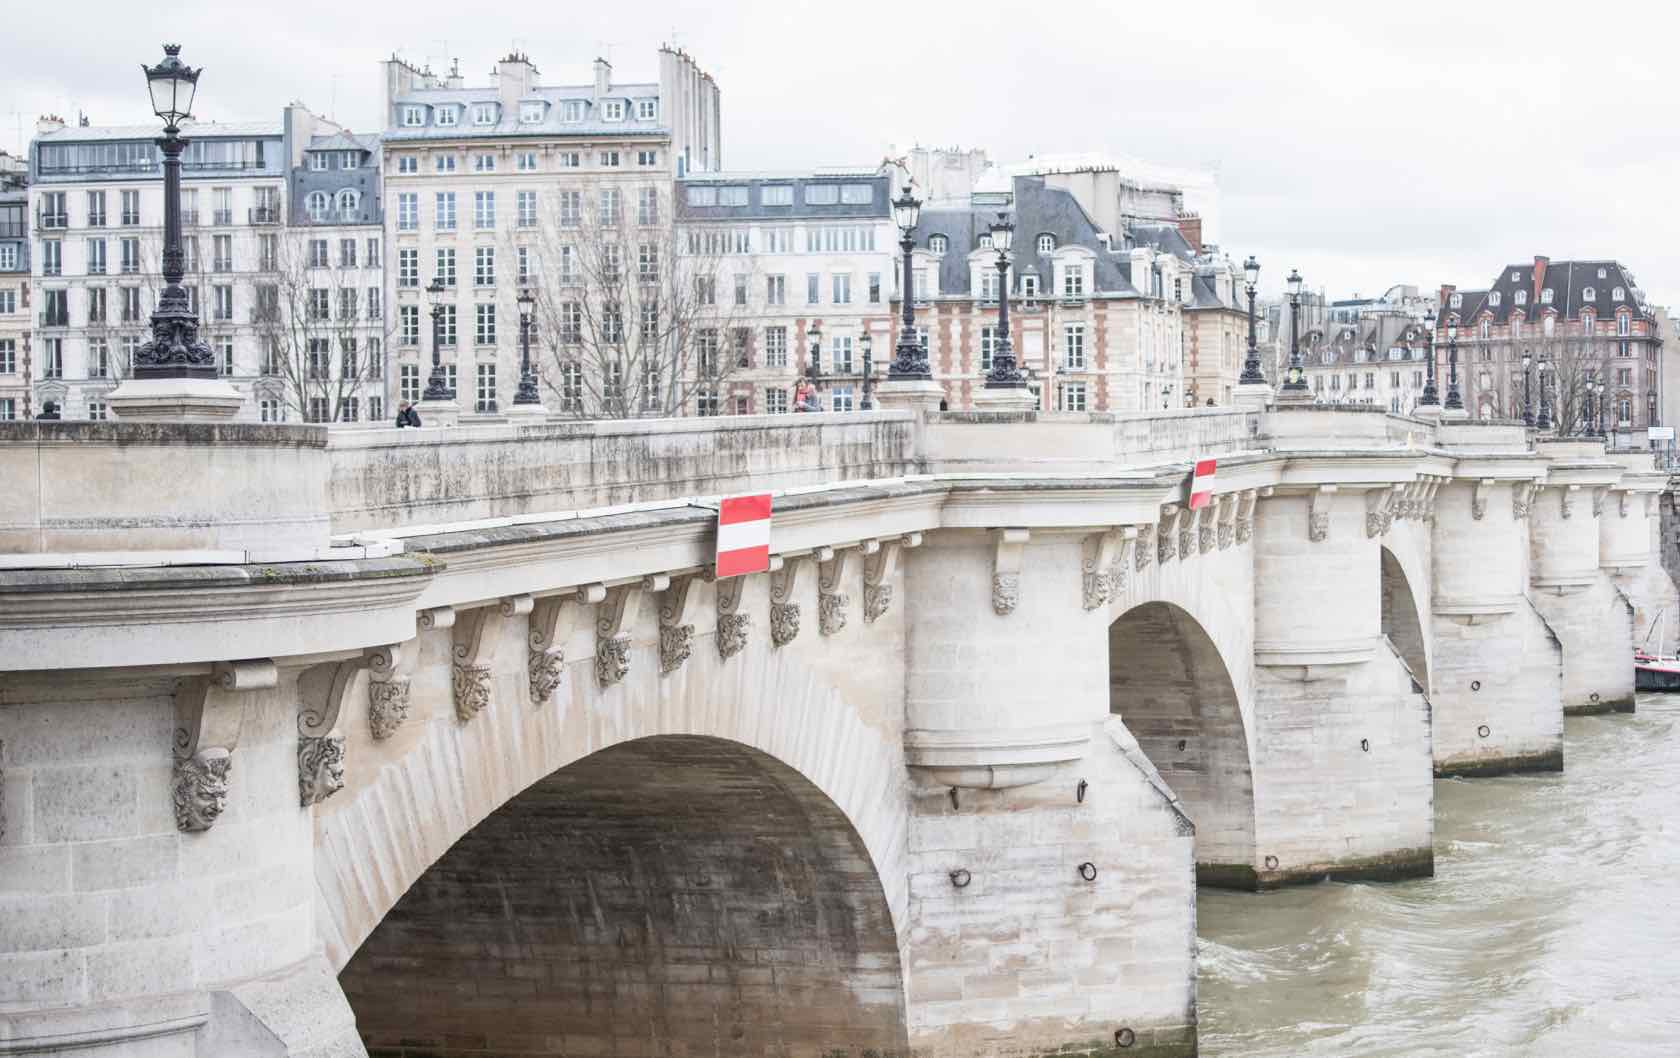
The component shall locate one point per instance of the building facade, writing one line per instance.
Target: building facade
(1379, 358)
(15, 402)
(515, 184)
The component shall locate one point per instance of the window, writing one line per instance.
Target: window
(609, 205)
(8, 257)
(526, 161)
(647, 159)
(1493, 299)
(1485, 330)
(822, 194)
(448, 116)
(1547, 325)
(1029, 285)
(486, 393)
(131, 207)
(373, 305)
(8, 356)
(445, 163)
(57, 310)
(97, 410)
(1455, 301)
(1070, 396)
(986, 241)
(1617, 294)
(1073, 347)
(988, 283)
(346, 303)
(702, 196)
(740, 291)
(857, 194)
(530, 113)
(131, 304)
(1073, 281)
(408, 324)
(609, 159)
(408, 163)
(96, 209)
(705, 289)
(446, 266)
(408, 382)
(612, 262)
(222, 249)
(408, 211)
(317, 205)
(571, 208)
(612, 322)
(647, 205)
(95, 257)
(443, 211)
(522, 255)
(813, 292)
(571, 322)
(1046, 244)
(612, 110)
(8, 409)
(52, 256)
(484, 113)
(484, 163)
(52, 365)
(647, 262)
(446, 325)
(775, 347)
(99, 357)
(1546, 296)
(775, 290)
(842, 289)
(1520, 297)
(647, 109)
(318, 306)
(413, 116)
(841, 356)
(568, 159)
(408, 267)
(919, 284)
(224, 302)
(317, 253)
(484, 266)
(484, 324)
(572, 110)
(1624, 324)
(318, 161)
(775, 402)
(484, 210)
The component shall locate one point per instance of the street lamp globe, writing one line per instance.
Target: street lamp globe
(1294, 283)
(172, 84)
(867, 345)
(527, 301)
(1003, 233)
(1452, 330)
(907, 209)
(1251, 270)
(1527, 359)
(434, 289)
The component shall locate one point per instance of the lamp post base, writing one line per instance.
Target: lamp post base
(1253, 396)
(175, 400)
(1454, 413)
(1297, 397)
(1014, 400)
(439, 413)
(526, 414)
(920, 394)
(1427, 411)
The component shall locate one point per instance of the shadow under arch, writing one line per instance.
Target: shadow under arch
(1400, 620)
(674, 894)
(1171, 687)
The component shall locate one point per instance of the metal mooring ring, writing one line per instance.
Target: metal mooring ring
(1088, 871)
(1271, 863)
(960, 878)
(1595, 696)
(1365, 744)
(1475, 685)
(1483, 731)
(1124, 1037)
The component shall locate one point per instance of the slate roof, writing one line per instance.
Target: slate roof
(879, 207)
(1569, 281)
(508, 123)
(189, 129)
(344, 141)
(1039, 210)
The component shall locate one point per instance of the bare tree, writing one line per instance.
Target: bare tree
(1572, 362)
(635, 312)
(313, 324)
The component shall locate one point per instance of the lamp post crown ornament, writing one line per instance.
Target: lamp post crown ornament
(1251, 373)
(1005, 374)
(1296, 383)
(909, 362)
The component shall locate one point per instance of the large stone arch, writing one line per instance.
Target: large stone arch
(1171, 685)
(675, 894)
(1403, 618)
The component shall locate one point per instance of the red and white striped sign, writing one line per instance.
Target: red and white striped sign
(743, 535)
(1201, 483)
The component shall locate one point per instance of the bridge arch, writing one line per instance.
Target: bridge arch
(1170, 684)
(670, 894)
(1402, 617)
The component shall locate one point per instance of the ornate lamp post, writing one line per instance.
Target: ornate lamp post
(175, 349)
(527, 392)
(1455, 402)
(1251, 374)
(1545, 420)
(868, 344)
(1004, 373)
(437, 386)
(909, 363)
(1528, 412)
(1431, 398)
(1595, 407)
(1296, 382)
(813, 370)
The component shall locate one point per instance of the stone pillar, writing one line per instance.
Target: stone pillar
(1497, 689)
(1342, 775)
(1630, 549)
(1590, 615)
(1029, 795)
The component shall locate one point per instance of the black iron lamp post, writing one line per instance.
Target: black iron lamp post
(1004, 373)
(175, 349)
(909, 363)
(868, 344)
(813, 370)
(1296, 381)
(1431, 397)
(1455, 401)
(1528, 411)
(1544, 422)
(1251, 374)
(1595, 408)
(437, 387)
(527, 392)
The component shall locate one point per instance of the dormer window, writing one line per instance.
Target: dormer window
(1046, 244)
(530, 113)
(1486, 329)
(1493, 299)
(647, 109)
(571, 110)
(1624, 324)
(1586, 323)
(317, 204)
(484, 113)
(413, 117)
(1589, 294)
(776, 195)
(986, 241)
(612, 110)
(1602, 274)
(1516, 277)
(347, 202)
(1520, 297)
(936, 244)
(349, 160)
(448, 116)
(318, 161)
(1546, 296)
(1618, 294)
(1029, 285)
(1456, 301)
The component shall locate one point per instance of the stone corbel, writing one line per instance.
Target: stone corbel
(1318, 512)
(1622, 503)
(1186, 533)
(832, 574)
(321, 694)
(1650, 500)
(1478, 497)
(1227, 527)
(1566, 500)
(469, 676)
(1378, 504)
(1098, 561)
(732, 624)
(612, 643)
(1006, 569)
(1145, 546)
(1206, 519)
(209, 713)
(1522, 494)
(1166, 535)
(1598, 495)
(676, 629)
(439, 617)
(387, 692)
(878, 569)
(1126, 538)
(1245, 515)
(784, 612)
(549, 626)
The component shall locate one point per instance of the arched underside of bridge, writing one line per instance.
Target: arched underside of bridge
(669, 895)
(1170, 685)
(1400, 621)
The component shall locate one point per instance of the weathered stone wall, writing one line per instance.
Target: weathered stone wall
(959, 442)
(1497, 699)
(387, 478)
(1595, 625)
(669, 895)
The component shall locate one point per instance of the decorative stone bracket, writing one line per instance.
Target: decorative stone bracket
(676, 630)
(1318, 512)
(1380, 506)
(1522, 495)
(1145, 546)
(209, 713)
(321, 694)
(1226, 524)
(834, 569)
(1566, 500)
(1598, 495)
(1622, 498)
(1186, 533)
(878, 568)
(1245, 515)
(1478, 497)
(1206, 520)
(732, 624)
(1099, 559)
(469, 676)
(1009, 545)
(612, 644)
(784, 612)
(1166, 534)
(387, 693)
(1126, 541)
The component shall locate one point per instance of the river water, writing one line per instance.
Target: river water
(1551, 927)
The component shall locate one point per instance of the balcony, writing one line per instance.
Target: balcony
(96, 220)
(54, 318)
(48, 221)
(222, 264)
(264, 215)
(223, 217)
(189, 218)
(130, 220)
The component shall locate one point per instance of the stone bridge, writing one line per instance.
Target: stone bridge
(449, 742)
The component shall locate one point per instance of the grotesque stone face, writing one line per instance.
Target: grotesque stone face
(387, 706)
(320, 768)
(732, 633)
(201, 789)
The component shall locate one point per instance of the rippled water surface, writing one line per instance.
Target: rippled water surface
(1551, 927)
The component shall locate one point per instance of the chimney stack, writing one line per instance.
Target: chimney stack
(603, 78)
(48, 123)
(1190, 226)
(1540, 264)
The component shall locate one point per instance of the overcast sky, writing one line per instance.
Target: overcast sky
(1364, 144)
